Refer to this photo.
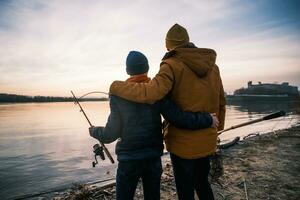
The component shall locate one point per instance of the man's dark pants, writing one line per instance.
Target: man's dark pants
(191, 175)
(129, 173)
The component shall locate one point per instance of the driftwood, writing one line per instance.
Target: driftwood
(250, 135)
(229, 144)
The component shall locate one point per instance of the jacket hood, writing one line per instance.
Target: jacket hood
(199, 60)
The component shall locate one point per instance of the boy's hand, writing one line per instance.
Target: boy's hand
(215, 122)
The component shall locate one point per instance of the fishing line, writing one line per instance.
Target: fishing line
(94, 92)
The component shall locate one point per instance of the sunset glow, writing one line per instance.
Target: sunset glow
(51, 47)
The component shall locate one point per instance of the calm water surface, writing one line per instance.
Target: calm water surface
(47, 145)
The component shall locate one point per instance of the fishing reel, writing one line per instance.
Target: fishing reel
(98, 151)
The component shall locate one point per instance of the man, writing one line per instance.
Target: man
(139, 128)
(192, 79)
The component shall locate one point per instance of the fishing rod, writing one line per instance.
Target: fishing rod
(267, 117)
(98, 150)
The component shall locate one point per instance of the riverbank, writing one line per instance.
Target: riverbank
(260, 167)
(14, 98)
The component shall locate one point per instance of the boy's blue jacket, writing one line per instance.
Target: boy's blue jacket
(139, 127)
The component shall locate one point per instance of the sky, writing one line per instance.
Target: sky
(52, 47)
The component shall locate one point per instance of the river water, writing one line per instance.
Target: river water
(47, 145)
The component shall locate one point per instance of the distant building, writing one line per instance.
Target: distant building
(268, 89)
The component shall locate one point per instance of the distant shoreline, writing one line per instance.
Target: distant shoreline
(14, 98)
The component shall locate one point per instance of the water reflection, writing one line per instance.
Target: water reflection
(265, 107)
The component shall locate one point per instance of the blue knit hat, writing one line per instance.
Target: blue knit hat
(136, 63)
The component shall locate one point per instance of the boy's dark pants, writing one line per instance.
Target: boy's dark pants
(129, 173)
(191, 175)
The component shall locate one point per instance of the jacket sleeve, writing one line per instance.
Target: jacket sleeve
(113, 127)
(222, 108)
(149, 92)
(184, 120)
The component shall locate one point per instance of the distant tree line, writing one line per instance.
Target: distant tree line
(14, 98)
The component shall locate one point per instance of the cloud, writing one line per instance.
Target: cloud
(48, 47)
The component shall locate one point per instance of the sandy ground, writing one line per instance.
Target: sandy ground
(268, 163)
(264, 167)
